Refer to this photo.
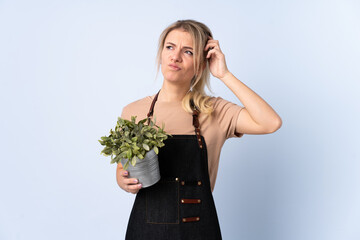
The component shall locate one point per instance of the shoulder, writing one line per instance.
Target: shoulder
(138, 108)
(219, 103)
(226, 114)
(138, 102)
(224, 110)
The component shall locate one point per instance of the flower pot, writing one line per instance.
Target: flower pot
(146, 170)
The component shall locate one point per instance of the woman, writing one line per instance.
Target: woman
(180, 205)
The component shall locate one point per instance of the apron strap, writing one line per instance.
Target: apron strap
(196, 123)
(151, 111)
(195, 114)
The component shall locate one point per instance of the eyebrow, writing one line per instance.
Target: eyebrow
(175, 45)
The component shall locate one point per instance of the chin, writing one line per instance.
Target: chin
(175, 78)
(171, 77)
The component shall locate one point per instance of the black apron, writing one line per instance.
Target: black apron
(180, 206)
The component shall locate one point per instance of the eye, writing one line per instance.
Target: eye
(189, 52)
(169, 47)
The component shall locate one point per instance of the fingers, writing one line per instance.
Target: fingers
(124, 173)
(134, 188)
(131, 185)
(210, 52)
(131, 181)
(212, 47)
(211, 44)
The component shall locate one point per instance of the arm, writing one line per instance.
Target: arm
(257, 117)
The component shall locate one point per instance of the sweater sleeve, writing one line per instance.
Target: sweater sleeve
(226, 114)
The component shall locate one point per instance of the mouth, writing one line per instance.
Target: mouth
(173, 66)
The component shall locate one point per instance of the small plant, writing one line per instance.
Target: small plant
(132, 140)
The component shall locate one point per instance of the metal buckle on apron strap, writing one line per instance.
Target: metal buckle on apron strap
(197, 129)
(191, 219)
(189, 200)
(192, 183)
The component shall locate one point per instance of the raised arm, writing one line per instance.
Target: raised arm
(257, 117)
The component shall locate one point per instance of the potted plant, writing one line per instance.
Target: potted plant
(136, 146)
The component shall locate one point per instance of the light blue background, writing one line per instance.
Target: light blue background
(67, 68)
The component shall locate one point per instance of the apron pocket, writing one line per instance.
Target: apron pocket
(162, 202)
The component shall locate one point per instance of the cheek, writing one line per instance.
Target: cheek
(191, 68)
(164, 55)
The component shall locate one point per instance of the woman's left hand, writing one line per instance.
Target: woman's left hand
(216, 58)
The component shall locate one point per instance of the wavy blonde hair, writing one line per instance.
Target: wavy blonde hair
(199, 33)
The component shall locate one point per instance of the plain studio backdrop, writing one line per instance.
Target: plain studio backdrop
(67, 69)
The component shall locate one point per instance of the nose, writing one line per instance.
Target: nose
(176, 56)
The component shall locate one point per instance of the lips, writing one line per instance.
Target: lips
(173, 66)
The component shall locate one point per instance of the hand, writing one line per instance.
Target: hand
(127, 184)
(216, 58)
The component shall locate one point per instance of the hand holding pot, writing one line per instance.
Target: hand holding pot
(127, 184)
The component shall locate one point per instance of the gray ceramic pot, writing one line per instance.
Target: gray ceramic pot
(146, 170)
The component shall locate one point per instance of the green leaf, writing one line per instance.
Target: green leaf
(118, 158)
(115, 160)
(149, 135)
(133, 161)
(156, 150)
(146, 147)
(123, 154)
(126, 165)
(142, 121)
(140, 156)
(107, 151)
(129, 154)
(161, 135)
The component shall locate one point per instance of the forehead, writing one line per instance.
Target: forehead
(179, 36)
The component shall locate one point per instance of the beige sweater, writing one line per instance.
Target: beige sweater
(216, 130)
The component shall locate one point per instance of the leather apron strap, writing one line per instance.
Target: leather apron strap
(195, 114)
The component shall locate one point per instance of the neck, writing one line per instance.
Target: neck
(172, 93)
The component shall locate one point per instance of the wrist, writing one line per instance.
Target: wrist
(226, 76)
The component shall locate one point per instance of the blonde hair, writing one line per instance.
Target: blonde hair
(199, 33)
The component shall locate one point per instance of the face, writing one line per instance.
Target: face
(177, 60)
